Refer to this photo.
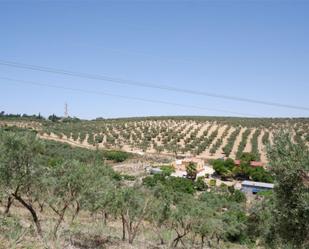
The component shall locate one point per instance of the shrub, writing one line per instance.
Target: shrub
(98, 138)
(243, 143)
(167, 169)
(223, 168)
(128, 177)
(238, 196)
(117, 156)
(213, 182)
(191, 170)
(171, 184)
(200, 184)
(230, 142)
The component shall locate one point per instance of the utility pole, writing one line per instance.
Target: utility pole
(66, 113)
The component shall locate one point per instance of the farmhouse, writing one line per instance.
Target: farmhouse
(251, 187)
(183, 163)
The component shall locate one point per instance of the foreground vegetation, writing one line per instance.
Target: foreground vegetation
(56, 196)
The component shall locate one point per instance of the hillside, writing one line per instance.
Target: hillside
(204, 137)
(53, 195)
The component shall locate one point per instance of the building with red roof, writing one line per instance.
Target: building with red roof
(252, 163)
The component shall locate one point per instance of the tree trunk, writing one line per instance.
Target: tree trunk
(130, 237)
(105, 218)
(202, 242)
(130, 232)
(161, 240)
(209, 243)
(218, 239)
(175, 242)
(59, 221)
(8, 205)
(33, 214)
(77, 209)
(157, 230)
(178, 238)
(41, 205)
(123, 228)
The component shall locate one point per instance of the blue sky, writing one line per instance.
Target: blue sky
(252, 49)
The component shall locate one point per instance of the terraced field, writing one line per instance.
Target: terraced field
(205, 137)
(191, 136)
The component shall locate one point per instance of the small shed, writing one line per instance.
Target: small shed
(155, 171)
(251, 187)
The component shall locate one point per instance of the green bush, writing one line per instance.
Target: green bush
(259, 174)
(223, 168)
(230, 142)
(200, 184)
(243, 143)
(171, 184)
(117, 156)
(213, 182)
(238, 196)
(128, 177)
(98, 138)
(167, 169)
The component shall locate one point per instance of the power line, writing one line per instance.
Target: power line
(122, 96)
(147, 85)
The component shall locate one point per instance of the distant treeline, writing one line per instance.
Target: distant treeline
(52, 117)
(10, 115)
(241, 121)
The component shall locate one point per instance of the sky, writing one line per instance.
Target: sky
(241, 48)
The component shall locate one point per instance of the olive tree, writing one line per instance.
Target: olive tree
(133, 205)
(289, 163)
(100, 195)
(191, 169)
(21, 172)
(183, 218)
(66, 182)
(160, 211)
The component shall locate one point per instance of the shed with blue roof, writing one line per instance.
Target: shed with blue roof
(251, 187)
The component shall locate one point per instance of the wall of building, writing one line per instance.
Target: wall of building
(253, 189)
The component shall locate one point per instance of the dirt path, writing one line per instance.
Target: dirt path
(219, 152)
(261, 147)
(220, 132)
(248, 146)
(216, 155)
(204, 127)
(54, 137)
(190, 130)
(271, 137)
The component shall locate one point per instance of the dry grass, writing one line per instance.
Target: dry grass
(86, 232)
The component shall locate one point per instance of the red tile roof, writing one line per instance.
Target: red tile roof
(252, 163)
(256, 164)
